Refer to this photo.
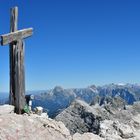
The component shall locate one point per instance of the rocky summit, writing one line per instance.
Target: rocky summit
(110, 121)
(35, 127)
(80, 121)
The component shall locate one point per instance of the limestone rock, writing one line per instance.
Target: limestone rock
(6, 109)
(33, 127)
(80, 118)
(86, 136)
(125, 130)
(107, 131)
(85, 122)
(109, 121)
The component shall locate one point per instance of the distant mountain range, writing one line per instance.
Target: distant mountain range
(56, 100)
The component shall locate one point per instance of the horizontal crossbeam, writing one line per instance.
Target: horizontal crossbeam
(14, 36)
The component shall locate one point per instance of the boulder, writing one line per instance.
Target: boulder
(80, 118)
(107, 131)
(124, 129)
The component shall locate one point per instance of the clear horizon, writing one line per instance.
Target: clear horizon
(75, 43)
(34, 90)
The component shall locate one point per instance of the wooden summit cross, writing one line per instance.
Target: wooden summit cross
(17, 74)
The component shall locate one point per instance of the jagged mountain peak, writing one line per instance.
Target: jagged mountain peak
(58, 89)
(59, 98)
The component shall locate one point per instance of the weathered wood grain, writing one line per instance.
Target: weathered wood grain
(17, 35)
(13, 28)
(17, 75)
(14, 19)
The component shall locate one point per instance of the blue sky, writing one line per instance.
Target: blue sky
(76, 43)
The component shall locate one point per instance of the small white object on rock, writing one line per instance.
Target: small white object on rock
(45, 115)
(39, 110)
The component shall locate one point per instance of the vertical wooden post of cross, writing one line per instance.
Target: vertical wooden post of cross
(17, 81)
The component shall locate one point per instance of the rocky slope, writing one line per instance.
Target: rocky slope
(34, 127)
(80, 121)
(111, 121)
(80, 117)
